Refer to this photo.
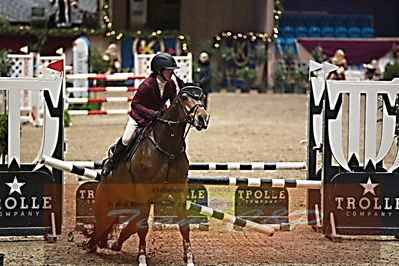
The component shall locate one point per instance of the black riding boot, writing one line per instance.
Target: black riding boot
(110, 163)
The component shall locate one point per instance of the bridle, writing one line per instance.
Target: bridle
(194, 92)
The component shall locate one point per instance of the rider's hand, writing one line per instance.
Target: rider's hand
(156, 114)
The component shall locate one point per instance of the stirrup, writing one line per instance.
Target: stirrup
(108, 166)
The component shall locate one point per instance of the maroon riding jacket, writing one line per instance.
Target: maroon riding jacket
(148, 99)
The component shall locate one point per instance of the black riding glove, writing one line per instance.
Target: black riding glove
(156, 114)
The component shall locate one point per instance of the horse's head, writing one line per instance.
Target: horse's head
(190, 98)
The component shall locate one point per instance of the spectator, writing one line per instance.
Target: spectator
(203, 75)
(112, 57)
(372, 71)
(339, 60)
(63, 13)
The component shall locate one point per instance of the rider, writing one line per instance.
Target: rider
(148, 103)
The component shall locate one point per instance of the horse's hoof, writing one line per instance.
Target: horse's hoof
(189, 259)
(142, 259)
(91, 249)
(102, 244)
(71, 236)
(88, 247)
(116, 247)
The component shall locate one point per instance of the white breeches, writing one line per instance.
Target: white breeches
(130, 131)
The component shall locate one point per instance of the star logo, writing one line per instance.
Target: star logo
(369, 187)
(15, 186)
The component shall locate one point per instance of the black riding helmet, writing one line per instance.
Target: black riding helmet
(163, 61)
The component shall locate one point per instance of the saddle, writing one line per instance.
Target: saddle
(135, 142)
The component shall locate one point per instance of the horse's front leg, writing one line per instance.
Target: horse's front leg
(142, 230)
(184, 228)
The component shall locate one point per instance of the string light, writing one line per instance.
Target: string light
(111, 33)
(262, 36)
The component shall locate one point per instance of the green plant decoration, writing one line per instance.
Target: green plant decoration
(97, 63)
(5, 63)
(318, 54)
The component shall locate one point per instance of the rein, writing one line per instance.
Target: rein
(189, 118)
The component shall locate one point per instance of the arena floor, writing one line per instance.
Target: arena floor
(243, 128)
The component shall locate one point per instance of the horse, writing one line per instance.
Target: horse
(157, 169)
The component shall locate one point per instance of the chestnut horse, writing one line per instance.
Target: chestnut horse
(158, 168)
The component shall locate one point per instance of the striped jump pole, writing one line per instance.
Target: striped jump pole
(69, 167)
(87, 164)
(109, 77)
(98, 112)
(256, 182)
(99, 100)
(248, 166)
(246, 224)
(100, 89)
(229, 166)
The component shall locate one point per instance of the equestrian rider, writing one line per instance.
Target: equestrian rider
(148, 104)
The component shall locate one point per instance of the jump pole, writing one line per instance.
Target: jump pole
(248, 166)
(100, 89)
(69, 167)
(257, 182)
(231, 181)
(109, 77)
(262, 166)
(246, 224)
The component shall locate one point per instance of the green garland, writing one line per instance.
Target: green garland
(23, 30)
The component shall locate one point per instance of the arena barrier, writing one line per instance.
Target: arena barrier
(357, 196)
(33, 194)
(23, 65)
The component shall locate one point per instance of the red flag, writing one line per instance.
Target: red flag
(57, 65)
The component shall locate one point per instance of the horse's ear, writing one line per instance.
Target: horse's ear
(180, 82)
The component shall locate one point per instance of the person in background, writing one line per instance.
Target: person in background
(111, 56)
(63, 13)
(339, 60)
(372, 71)
(203, 75)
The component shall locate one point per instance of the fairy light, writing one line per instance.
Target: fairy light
(253, 37)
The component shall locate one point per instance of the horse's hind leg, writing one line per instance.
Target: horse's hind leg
(101, 229)
(103, 222)
(126, 232)
(140, 225)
